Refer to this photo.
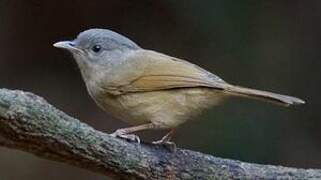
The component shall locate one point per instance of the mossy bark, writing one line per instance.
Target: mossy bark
(29, 123)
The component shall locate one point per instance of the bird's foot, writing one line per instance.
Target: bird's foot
(128, 137)
(168, 144)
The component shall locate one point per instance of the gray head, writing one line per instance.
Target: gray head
(98, 48)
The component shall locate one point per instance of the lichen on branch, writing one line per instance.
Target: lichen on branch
(29, 123)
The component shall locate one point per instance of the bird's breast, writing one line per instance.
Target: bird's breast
(166, 108)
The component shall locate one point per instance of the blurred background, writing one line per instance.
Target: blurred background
(270, 45)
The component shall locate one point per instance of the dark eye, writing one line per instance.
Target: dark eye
(96, 48)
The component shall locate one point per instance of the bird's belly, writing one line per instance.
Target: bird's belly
(166, 109)
(113, 106)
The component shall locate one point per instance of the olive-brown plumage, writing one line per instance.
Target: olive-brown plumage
(147, 89)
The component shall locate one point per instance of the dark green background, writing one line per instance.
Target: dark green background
(270, 45)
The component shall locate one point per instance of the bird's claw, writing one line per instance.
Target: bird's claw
(168, 144)
(129, 137)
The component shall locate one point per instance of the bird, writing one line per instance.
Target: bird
(148, 89)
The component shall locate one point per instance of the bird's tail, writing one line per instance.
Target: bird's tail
(263, 95)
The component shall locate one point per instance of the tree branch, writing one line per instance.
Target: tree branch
(29, 123)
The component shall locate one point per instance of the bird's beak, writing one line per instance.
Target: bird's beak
(68, 45)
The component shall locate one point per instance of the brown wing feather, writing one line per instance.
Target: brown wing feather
(152, 71)
(164, 72)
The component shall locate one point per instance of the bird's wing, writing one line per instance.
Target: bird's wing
(151, 71)
(159, 72)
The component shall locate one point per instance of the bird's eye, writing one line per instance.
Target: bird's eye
(96, 48)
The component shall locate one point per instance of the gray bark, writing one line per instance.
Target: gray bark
(29, 123)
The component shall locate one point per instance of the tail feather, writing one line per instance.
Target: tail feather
(264, 95)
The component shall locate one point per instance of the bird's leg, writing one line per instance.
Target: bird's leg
(166, 139)
(126, 132)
